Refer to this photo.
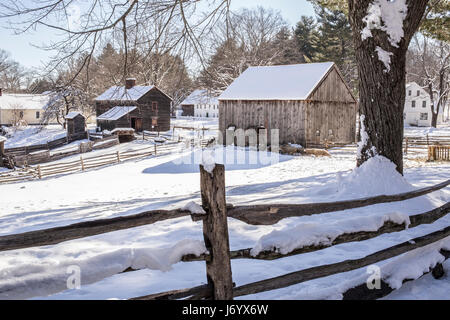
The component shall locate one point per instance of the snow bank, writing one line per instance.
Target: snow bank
(44, 277)
(414, 264)
(307, 234)
(376, 176)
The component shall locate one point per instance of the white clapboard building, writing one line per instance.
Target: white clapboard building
(417, 111)
(200, 104)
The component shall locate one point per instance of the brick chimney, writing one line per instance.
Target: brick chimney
(130, 83)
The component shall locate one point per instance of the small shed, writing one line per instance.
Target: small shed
(310, 104)
(75, 124)
(2, 149)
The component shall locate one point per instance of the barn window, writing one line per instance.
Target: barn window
(154, 106)
(38, 114)
(424, 116)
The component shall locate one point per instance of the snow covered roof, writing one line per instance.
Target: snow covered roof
(287, 82)
(200, 96)
(117, 93)
(23, 101)
(116, 113)
(73, 114)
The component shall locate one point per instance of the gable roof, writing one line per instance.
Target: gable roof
(23, 101)
(286, 82)
(120, 93)
(200, 96)
(73, 114)
(116, 113)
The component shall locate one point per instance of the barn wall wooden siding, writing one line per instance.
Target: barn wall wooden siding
(328, 114)
(144, 111)
(76, 125)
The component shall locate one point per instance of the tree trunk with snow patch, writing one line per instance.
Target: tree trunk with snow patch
(380, 47)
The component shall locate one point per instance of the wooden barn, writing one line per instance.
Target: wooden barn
(309, 104)
(131, 106)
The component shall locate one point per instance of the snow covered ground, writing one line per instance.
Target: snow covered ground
(170, 181)
(33, 135)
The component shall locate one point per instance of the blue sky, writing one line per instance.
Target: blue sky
(21, 48)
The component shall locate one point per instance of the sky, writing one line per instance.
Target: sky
(22, 48)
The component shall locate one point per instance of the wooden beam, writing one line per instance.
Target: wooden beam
(215, 232)
(362, 292)
(271, 214)
(85, 229)
(344, 266)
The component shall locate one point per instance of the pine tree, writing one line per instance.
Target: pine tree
(307, 38)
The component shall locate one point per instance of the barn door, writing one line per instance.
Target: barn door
(138, 125)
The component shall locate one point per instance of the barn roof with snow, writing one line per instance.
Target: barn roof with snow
(116, 113)
(71, 115)
(200, 96)
(120, 93)
(285, 82)
(23, 101)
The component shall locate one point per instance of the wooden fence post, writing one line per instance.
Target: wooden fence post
(39, 171)
(82, 163)
(406, 146)
(155, 150)
(118, 156)
(215, 232)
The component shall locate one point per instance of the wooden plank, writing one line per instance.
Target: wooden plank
(85, 229)
(362, 292)
(339, 267)
(271, 214)
(215, 232)
(205, 291)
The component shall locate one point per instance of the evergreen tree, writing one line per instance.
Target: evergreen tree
(307, 38)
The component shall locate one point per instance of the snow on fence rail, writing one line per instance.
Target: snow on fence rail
(214, 215)
(82, 164)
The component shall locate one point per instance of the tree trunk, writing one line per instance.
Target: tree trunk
(382, 85)
(434, 119)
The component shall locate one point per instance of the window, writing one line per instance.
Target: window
(424, 116)
(409, 92)
(424, 104)
(413, 104)
(38, 114)
(418, 92)
(154, 106)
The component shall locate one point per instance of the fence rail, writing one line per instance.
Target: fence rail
(83, 163)
(215, 230)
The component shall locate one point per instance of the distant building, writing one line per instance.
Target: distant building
(132, 106)
(24, 109)
(310, 104)
(417, 111)
(201, 104)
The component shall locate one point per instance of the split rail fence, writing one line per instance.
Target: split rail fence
(82, 164)
(219, 280)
